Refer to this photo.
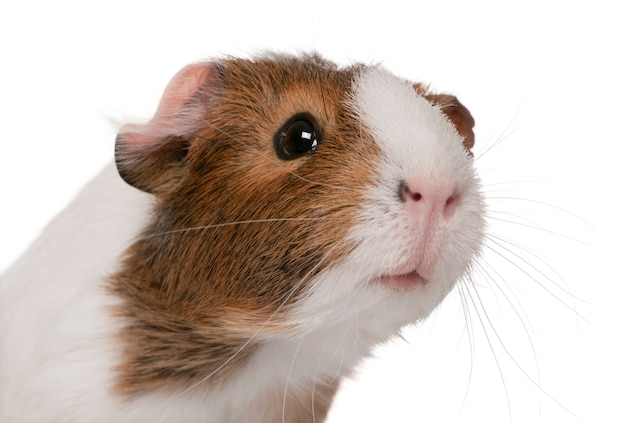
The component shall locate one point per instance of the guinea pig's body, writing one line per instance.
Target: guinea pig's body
(295, 215)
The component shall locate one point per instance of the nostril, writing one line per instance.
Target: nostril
(407, 194)
(415, 196)
(429, 199)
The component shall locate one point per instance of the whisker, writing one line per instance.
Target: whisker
(530, 379)
(295, 355)
(499, 139)
(566, 290)
(502, 136)
(521, 316)
(221, 225)
(493, 353)
(317, 183)
(519, 257)
(470, 334)
(532, 225)
(486, 187)
(487, 274)
(317, 369)
(574, 215)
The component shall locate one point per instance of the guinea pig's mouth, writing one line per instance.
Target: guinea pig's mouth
(403, 282)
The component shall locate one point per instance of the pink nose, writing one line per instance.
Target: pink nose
(429, 201)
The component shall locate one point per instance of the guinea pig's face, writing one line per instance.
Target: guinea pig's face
(292, 189)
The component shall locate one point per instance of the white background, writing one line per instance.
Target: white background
(545, 83)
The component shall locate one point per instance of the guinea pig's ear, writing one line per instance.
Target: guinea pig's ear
(150, 156)
(455, 111)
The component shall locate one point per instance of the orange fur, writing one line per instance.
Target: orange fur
(235, 237)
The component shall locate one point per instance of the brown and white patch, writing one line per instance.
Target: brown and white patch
(238, 234)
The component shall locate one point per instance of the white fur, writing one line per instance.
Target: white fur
(57, 347)
(418, 144)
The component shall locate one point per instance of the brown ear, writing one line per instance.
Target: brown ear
(150, 155)
(455, 111)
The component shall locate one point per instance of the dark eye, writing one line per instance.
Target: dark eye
(297, 138)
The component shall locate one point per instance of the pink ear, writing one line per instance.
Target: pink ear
(177, 114)
(145, 152)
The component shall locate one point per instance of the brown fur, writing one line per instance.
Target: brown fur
(235, 237)
(194, 298)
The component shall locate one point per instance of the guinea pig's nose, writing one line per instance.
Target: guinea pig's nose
(429, 199)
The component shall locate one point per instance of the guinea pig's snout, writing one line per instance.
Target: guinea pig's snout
(426, 199)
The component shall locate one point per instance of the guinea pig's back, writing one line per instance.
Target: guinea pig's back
(56, 317)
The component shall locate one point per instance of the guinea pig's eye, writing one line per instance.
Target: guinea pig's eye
(297, 137)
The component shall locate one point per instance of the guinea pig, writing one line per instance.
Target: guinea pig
(276, 219)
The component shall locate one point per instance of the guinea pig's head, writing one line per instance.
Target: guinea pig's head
(292, 190)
